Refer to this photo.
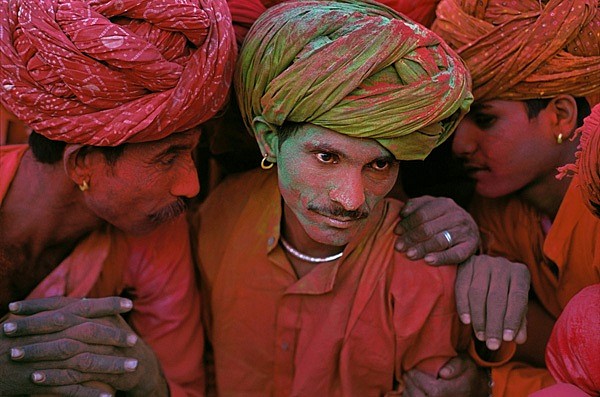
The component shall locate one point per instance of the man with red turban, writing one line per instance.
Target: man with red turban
(536, 73)
(114, 91)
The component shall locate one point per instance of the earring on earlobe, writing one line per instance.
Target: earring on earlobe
(84, 186)
(265, 164)
(559, 138)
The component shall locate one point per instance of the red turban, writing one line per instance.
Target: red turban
(245, 12)
(105, 72)
(573, 351)
(518, 50)
(587, 164)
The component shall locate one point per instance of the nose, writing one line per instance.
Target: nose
(349, 191)
(186, 183)
(464, 143)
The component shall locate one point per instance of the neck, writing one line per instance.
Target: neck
(294, 233)
(44, 208)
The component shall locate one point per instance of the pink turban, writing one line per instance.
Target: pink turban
(573, 351)
(518, 50)
(355, 67)
(105, 72)
(587, 164)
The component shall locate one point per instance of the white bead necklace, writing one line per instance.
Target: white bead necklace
(312, 259)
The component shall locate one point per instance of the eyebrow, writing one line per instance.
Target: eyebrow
(172, 149)
(480, 106)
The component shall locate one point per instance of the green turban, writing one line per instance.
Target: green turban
(357, 68)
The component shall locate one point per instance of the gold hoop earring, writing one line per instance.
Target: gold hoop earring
(84, 186)
(559, 139)
(265, 164)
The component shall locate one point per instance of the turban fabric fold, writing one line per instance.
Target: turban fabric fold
(587, 163)
(357, 68)
(105, 72)
(518, 50)
(573, 351)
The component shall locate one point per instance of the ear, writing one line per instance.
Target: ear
(267, 138)
(563, 113)
(77, 164)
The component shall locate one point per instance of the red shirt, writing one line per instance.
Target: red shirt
(155, 271)
(349, 327)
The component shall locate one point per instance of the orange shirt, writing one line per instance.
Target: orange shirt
(561, 263)
(349, 327)
(155, 271)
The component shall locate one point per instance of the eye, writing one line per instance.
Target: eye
(484, 121)
(380, 165)
(168, 159)
(326, 158)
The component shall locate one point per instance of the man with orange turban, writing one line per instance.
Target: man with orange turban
(305, 294)
(536, 73)
(114, 91)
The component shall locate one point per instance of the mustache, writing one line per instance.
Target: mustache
(170, 211)
(340, 212)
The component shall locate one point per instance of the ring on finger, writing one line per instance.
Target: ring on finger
(448, 237)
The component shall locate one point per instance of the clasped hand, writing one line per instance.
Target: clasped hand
(78, 347)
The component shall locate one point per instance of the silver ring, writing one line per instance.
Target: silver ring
(448, 237)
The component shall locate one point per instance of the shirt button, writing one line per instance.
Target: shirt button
(285, 346)
(271, 241)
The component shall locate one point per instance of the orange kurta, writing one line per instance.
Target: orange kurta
(155, 271)
(349, 327)
(561, 263)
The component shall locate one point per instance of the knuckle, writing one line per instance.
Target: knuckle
(58, 319)
(67, 347)
(85, 362)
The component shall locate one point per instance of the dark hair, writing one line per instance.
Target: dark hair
(48, 151)
(535, 106)
(288, 129)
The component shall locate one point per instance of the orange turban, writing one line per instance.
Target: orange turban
(105, 72)
(355, 67)
(525, 49)
(573, 351)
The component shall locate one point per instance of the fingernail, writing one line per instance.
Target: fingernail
(37, 377)
(411, 253)
(17, 353)
(132, 339)
(480, 335)
(126, 304)
(9, 328)
(445, 372)
(14, 306)
(465, 318)
(508, 335)
(492, 344)
(130, 364)
(400, 246)
(105, 395)
(429, 259)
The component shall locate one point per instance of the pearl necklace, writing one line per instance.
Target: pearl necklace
(312, 259)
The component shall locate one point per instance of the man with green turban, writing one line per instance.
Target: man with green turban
(305, 293)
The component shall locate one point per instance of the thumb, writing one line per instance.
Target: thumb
(453, 368)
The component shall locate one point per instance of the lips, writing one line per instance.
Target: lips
(338, 222)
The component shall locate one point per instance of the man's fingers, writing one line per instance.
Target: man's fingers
(464, 276)
(477, 300)
(518, 296)
(89, 308)
(496, 308)
(74, 391)
(522, 332)
(41, 323)
(455, 367)
(59, 349)
(95, 333)
(451, 256)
